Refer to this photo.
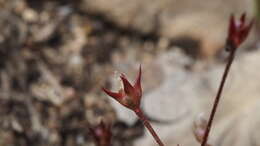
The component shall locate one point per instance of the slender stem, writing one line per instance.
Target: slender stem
(146, 123)
(218, 96)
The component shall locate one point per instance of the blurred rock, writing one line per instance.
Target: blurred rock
(148, 15)
(204, 21)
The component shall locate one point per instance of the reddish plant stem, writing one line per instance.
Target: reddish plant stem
(218, 96)
(146, 123)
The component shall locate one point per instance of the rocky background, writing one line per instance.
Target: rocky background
(55, 55)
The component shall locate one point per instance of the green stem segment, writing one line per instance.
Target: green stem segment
(218, 96)
(146, 123)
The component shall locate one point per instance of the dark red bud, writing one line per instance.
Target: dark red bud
(102, 134)
(238, 31)
(129, 96)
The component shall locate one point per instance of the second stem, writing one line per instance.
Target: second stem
(218, 96)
